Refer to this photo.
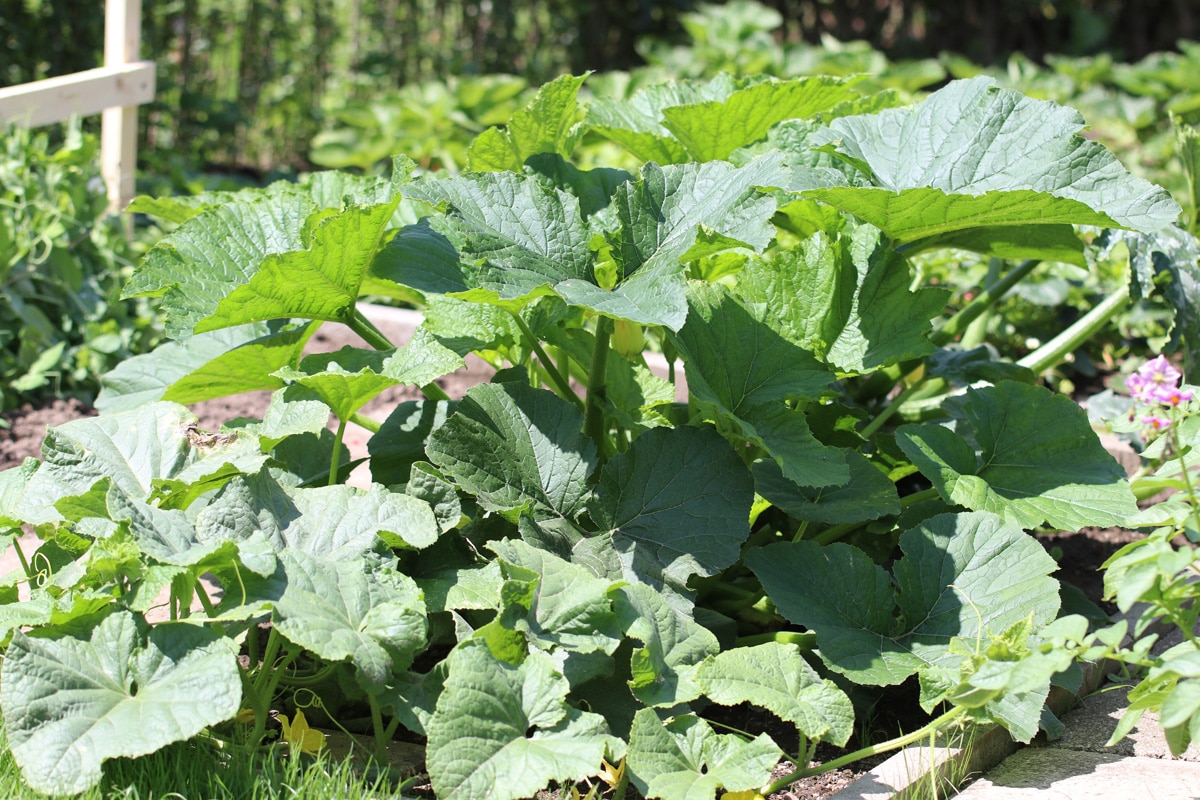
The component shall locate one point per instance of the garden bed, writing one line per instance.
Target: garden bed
(1079, 553)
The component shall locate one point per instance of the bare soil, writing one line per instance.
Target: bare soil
(1079, 554)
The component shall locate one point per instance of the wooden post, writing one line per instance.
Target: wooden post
(118, 127)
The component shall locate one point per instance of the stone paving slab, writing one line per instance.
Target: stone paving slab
(1054, 773)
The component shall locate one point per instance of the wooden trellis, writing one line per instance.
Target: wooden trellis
(114, 90)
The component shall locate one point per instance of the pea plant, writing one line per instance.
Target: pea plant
(557, 577)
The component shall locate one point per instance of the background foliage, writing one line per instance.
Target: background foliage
(241, 83)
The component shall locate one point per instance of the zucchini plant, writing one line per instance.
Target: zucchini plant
(550, 579)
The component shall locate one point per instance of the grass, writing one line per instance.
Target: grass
(201, 770)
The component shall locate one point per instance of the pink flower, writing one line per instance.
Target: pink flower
(1157, 382)
(1157, 423)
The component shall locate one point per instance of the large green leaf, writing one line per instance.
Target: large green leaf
(1038, 460)
(713, 129)
(740, 365)
(132, 448)
(216, 251)
(353, 611)
(338, 523)
(524, 239)
(213, 364)
(675, 505)
(685, 760)
(846, 298)
(319, 282)
(571, 608)
(502, 731)
(961, 575)
(350, 378)
(517, 448)
(551, 123)
(637, 123)
(70, 704)
(673, 646)
(658, 221)
(527, 237)
(974, 155)
(776, 677)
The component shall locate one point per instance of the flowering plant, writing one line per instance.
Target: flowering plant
(1159, 571)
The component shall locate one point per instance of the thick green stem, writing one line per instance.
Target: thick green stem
(593, 424)
(369, 333)
(552, 370)
(883, 416)
(1053, 351)
(337, 446)
(892, 744)
(267, 668)
(21, 557)
(208, 607)
(363, 421)
(958, 323)
(377, 727)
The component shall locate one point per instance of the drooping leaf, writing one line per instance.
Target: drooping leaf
(215, 251)
(132, 448)
(973, 155)
(740, 365)
(673, 646)
(675, 505)
(234, 359)
(352, 611)
(320, 281)
(776, 677)
(961, 575)
(846, 298)
(70, 704)
(685, 760)
(337, 523)
(403, 436)
(1153, 258)
(1038, 460)
(502, 731)
(514, 447)
(551, 123)
(350, 378)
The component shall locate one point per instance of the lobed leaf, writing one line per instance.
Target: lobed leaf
(502, 731)
(70, 703)
(961, 575)
(1038, 462)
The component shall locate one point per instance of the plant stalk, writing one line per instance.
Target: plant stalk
(958, 323)
(593, 423)
(363, 421)
(892, 744)
(1053, 351)
(369, 333)
(337, 446)
(552, 371)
